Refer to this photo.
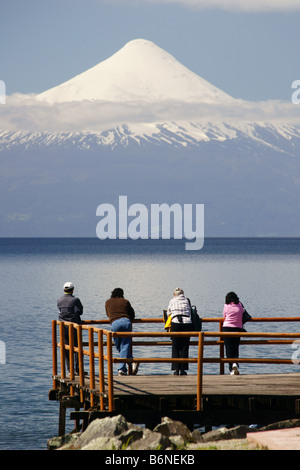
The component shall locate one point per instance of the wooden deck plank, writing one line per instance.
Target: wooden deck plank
(240, 399)
(264, 384)
(168, 385)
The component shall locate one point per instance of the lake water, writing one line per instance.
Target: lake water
(264, 273)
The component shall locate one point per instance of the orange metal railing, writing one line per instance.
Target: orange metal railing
(99, 347)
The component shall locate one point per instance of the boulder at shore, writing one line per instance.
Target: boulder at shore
(116, 433)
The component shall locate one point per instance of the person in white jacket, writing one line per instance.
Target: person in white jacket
(180, 310)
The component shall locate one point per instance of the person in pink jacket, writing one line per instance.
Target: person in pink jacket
(233, 321)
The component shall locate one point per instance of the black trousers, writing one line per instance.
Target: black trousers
(180, 346)
(231, 344)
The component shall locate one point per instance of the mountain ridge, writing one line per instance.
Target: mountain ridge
(181, 135)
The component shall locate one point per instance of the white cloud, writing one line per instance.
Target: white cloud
(26, 112)
(230, 5)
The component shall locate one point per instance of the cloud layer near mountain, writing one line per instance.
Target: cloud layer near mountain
(26, 112)
(231, 5)
(141, 83)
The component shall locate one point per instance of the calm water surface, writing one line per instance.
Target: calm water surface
(265, 274)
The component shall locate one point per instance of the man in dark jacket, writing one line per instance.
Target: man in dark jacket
(121, 314)
(70, 309)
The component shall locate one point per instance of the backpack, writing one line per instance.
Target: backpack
(196, 320)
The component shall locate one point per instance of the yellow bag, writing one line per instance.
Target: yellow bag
(168, 322)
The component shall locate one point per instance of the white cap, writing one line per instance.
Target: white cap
(68, 286)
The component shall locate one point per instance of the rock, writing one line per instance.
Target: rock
(169, 428)
(128, 437)
(116, 433)
(103, 443)
(120, 442)
(105, 427)
(105, 434)
(68, 440)
(289, 423)
(238, 432)
(177, 442)
(151, 440)
(197, 435)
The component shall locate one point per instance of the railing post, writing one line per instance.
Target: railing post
(92, 366)
(62, 350)
(71, 355)
(110, 372)
(71, 350)
(62, 419)
(200, 370)
(101, 368)
(54, 352)
(80, 360)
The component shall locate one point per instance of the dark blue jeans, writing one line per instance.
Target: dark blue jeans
(123, 345)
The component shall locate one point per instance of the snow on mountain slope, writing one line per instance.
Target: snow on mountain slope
(142, 94)
(139, 71)
(177, 135)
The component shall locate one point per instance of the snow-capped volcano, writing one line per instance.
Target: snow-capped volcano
(141, 124)
(139, 71)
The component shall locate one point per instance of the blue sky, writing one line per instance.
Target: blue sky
(249, 49)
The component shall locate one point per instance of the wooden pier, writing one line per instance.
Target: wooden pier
(195, 399)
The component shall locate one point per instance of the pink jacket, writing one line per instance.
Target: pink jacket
(233, 315)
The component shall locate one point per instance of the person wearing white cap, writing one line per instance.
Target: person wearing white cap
(70, 309)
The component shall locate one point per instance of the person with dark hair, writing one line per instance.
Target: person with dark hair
(233, 322)
(120, 314)
(70, 309)
(179, 309)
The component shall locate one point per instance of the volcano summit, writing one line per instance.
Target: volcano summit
(140, 71)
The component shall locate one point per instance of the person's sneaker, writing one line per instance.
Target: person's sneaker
(176, 372)
(235, 369)
(183, 372)
(135, 368)
(121, 372)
